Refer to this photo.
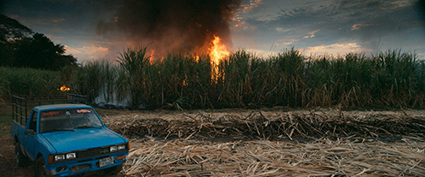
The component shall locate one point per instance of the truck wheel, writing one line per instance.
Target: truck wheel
(21, 160)
(40, 168)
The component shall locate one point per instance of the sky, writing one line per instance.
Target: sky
(264, 27)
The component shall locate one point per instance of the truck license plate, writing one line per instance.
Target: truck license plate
(106, 161)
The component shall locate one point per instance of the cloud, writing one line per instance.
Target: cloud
(238, 19)
(336, 49)
(282, 30)
(311, 34)
(252, 4)
(55, 39)
(358, 26)
(402, 3)
(261, 53)
(239, 25)
(58, 20)
(88, 52)
(371, 24)
(287, 42)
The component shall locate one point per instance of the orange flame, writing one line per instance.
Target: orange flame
(217, 52)
(64, 88)
(152, 56)
(185, 81)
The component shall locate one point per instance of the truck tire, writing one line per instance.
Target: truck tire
(40, 168)
(21, 160)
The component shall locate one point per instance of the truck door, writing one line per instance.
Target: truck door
(29, 139)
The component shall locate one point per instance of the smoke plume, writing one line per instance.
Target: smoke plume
(170, 25)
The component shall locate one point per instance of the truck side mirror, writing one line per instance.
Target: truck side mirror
(29, 132)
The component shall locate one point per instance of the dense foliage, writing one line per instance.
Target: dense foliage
(28, 82)
(388, 79)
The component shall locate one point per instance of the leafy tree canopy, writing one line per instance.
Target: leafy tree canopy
(11, 30)
(21, 47)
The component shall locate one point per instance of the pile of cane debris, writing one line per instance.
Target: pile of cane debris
(276, 126)
(258, 143)
(274, 158)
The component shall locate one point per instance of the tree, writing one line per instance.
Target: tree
(21, 47)
(41, 53)
(10, 32)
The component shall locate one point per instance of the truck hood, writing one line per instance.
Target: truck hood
(66, 141)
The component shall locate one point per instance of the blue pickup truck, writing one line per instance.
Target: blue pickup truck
(66, 139)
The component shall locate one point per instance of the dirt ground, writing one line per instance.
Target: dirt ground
(8, 166)
(181, 148)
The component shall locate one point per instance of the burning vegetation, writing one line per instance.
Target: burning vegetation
(64, 88)
(177, 27)
(217, 53)
(170, 26)
(289, 79)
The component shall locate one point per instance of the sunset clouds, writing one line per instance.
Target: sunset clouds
(321, 27)
(334, 27)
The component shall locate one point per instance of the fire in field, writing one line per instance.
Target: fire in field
(191, 105)
(195, 27)
(172, 26)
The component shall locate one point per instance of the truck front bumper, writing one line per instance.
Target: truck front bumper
(79, 166)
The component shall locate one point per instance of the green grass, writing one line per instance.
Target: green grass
(26, 81)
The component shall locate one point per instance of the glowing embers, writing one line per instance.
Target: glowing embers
(64, 88)
(217, 52)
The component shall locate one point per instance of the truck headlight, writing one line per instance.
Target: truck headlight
(59, 157)
(112, 148)
(68, 156)
(121, 147)
(71, 155)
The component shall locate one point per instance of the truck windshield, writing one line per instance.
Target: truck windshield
(68, 120)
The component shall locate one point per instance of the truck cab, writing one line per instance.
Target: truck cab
(67, 139)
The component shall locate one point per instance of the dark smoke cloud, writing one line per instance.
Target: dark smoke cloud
(171, 25)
